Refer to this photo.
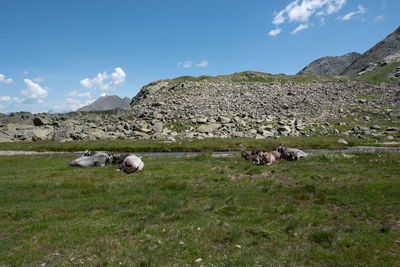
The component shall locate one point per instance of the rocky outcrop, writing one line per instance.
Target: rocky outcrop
(329, 66)
(389, 46)
(249, 104)
(107, 102)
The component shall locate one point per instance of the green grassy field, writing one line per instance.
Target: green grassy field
(378, 75)
(187, 145)
(328, 209)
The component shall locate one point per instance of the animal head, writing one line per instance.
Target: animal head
(118, 158)
(281, 148)
(109, 159)
(129, 166)
(89, 153)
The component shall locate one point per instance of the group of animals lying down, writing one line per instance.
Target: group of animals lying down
(128, 163)
(267, 157)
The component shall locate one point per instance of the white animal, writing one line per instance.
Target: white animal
(98, 159)
(286, 150)
(131, 163)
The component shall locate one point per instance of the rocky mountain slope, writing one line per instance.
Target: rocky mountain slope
(107, 102)
(329, 66)
(389, 46)
(248, 104)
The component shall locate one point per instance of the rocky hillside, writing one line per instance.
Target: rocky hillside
(248, 104)
(329, 66)
(107, 102)
(374, 56)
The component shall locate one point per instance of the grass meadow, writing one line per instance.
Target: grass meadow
(190, 145)
(328, 209)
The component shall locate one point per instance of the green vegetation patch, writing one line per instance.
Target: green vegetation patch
(379, 74)
(336, 209)
(187, 145)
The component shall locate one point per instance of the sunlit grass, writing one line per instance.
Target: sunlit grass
(328, 209)
(187, 145)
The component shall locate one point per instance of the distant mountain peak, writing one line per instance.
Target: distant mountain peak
(107, 102)
(388, 46)
(329, 66)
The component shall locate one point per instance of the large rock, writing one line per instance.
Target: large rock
(266, 133)
(40, 121)
(284, 130)
(209, 128)
(157, 127)
(42, 133)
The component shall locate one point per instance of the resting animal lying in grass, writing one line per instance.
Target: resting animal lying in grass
(131, 163)
(114, 158)
(298, 153)
(289, 156)
(261, 157)
(98, 159)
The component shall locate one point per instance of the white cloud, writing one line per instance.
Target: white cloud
(300, 28)
(361, 10)
(274, 32)
(301, 11)
(279, 18)
(34, 93)
(2, 107)
(379, 18)
(185, 65)
(104, 81)
(335, 6)
(38, 80)
(202, 64)
(5, 98)
(103, 94)
(4, 80)
(76, 94)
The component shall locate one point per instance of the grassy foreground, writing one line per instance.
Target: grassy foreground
(328, 209)
(186, 145)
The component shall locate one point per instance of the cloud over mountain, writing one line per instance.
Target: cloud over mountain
(105, 81)
(301, 12)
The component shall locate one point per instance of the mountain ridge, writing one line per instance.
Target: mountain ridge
(383, 53)
(388, 46)
(107, 103)
(330, 65)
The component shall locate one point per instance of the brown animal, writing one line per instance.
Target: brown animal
(260, 157)
(276, 154)
(289, 156)
(266, 158)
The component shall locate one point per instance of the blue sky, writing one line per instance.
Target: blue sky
(59, 55)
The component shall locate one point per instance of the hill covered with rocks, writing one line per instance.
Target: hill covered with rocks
(248, 104)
